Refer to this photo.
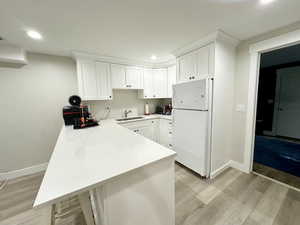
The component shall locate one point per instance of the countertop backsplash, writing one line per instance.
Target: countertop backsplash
(122, 100)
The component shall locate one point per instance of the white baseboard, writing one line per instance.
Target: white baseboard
(232, 164)
(239, 166)
(23, 172)
(219, 170)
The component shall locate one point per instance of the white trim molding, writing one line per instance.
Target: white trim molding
(123, 61)
(238, 166)
(288, 39)
(219, 170)
(23, 172)
(229, 164)
(211, 38)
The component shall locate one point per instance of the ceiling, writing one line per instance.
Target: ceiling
(136, 29)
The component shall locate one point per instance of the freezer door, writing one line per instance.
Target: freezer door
(191, 95)
(190, 139)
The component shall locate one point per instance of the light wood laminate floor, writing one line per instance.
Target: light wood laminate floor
(233, 198)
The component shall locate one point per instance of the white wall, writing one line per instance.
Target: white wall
(32, 98)
(222, 105)
(241, 88)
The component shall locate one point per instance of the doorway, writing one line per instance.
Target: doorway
(277, 129)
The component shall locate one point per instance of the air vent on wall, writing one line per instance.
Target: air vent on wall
(11, 55)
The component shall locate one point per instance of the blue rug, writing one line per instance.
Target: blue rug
(278, 154)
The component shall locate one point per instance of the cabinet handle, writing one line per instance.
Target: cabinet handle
(170, 145)
(190, 78)
(170, 132)
(145, 96)
(193, 77)
(109, 96)
(170, 123)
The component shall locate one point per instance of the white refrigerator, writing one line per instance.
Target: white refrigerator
(192, 113)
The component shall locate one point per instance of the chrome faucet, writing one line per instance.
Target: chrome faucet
(126, 112)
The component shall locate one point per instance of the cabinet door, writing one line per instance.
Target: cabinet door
(118, 74)
(87, 79)
(160, 84)
(202, 62)
(103, 81)
(187, 67)
(171, 80)
(146, 131)
(165, 130)
(133, 77)
(148, 83)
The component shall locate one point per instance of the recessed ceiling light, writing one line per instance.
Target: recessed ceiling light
(264, 2)
(34, 35)
(153, 57)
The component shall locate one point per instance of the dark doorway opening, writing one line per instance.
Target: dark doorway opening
(277, 140)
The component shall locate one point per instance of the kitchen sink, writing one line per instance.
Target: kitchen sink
(130, 118)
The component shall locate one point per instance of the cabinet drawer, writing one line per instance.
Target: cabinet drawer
(139, 123)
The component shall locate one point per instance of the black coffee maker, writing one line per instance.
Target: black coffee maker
(77, 114)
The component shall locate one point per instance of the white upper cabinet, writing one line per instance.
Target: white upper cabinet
(171, 80)
(160, 84)
(87, 79)
(148, 84)
(103, 81)
(118, 76)
(94, 80)
(196, 64)
(155, 84)
(186, 67)
(124, 77)
(134, 78)
(202, 62)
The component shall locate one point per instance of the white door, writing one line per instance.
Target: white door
(160, 83)
(191, 95)
(103, 81)
(202, 62)
(148, 83)
(190, 129)
(288, 115)
(187, 67)
(133, 77)
(118, 74)
(87, 80)
(171, 80)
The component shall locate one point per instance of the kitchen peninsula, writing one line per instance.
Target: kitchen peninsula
(120, 177)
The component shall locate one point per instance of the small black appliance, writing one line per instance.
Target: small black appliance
(77, 114)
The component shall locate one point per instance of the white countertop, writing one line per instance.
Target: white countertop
(83, 159)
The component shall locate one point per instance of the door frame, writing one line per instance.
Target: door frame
(255, 50)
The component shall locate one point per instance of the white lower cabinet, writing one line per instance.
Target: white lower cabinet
(146, 128)
(165, 133)
(158, 130)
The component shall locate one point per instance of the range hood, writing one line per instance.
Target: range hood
(11, 55)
